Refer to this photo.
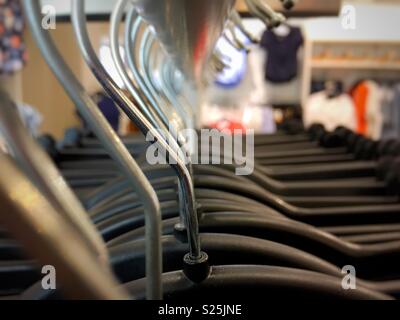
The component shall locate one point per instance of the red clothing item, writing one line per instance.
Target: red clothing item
(360, 97)
(228, 126)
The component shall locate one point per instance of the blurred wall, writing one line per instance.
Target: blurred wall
(42, 90)
(303, 6)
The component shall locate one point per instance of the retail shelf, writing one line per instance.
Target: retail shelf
(354, 64)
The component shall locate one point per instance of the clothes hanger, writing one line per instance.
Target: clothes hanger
(134, 23)
(314, 286)
(143, 51)
(283, 30)
(330, 209)
(324, 213)
(289, 4)
(45, 175)
(265, 13)
(227, 282)
(195, 256)
(160, 121)
(131, 143)
(256, 193)
(150, 53)
(231, 34)
(328, 243)
(265, 252)
(232, 42)
(109, 164)
(111, 142)
(154, 114)
(49, 237)
(166, 84)
(152, 59)
(136, 251)
(236, 19)
(369, 259)
(145, 46)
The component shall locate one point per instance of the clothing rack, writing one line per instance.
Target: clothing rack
(343, 60)
(350, 47)
(286, 221)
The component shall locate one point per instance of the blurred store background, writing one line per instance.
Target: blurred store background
(326, 64)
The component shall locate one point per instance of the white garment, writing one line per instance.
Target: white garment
(374, 112)
(31, 117)
(330, 112)
(32, 120)
(256, 58)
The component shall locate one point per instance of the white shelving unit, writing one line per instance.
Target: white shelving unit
(348, 66)
(333, 52)
(354, 65)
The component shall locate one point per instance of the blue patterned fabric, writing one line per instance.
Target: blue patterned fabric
(12, 47)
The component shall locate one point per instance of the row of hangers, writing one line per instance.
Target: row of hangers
(259, 235)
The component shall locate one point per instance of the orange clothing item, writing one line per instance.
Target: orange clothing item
(360, 97)
(15, 41)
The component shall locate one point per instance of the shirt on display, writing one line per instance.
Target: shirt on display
(282, 62)
(368, 99)
(330, 112)
(12, 47)
(360, 96)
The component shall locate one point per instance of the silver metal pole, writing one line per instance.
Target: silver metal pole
(108, 137)
(129, 107)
